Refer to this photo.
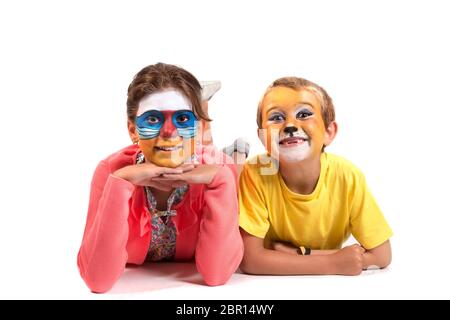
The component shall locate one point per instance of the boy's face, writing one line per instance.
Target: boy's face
(166, 127)
(293, 123)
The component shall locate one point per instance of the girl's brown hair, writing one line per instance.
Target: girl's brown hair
(162, 76)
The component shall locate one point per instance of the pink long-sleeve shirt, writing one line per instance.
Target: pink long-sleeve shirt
(118, 226)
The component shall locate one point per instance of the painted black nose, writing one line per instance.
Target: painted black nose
(290, 130)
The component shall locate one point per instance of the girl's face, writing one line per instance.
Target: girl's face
(293, 123)
(166, 127)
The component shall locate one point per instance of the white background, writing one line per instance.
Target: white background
(64, 70)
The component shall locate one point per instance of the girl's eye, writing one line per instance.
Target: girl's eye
(276, 117)
(304, 114)
(182, 118)
(152, 119)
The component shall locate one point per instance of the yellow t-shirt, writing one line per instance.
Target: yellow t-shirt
(340, 204)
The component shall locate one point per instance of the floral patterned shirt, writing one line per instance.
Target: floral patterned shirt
(164, 233)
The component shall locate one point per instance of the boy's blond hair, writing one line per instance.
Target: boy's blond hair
(326, 104)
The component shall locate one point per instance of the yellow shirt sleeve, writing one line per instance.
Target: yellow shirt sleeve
(367, 223)
(253, 212)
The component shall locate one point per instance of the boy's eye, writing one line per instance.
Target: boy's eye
(304, 114)
(276, 117)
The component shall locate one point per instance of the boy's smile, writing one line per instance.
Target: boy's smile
(293, 122)
(293, 139)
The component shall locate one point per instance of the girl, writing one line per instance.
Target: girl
(164, 198)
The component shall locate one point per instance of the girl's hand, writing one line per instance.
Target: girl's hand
(144, 174)
(201, 174)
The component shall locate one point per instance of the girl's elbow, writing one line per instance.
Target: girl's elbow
(99, 287)
(96, 280)
(214, 281)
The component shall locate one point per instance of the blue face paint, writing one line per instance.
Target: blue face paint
(185, 122)
(149, 124)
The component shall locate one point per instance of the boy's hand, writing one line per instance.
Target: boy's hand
(348, 261)
(201, 174)
(144, 174)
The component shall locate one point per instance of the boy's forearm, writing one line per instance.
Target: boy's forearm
(323, 252)
(274, 262)
(289, 248)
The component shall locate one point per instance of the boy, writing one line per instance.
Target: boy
(298, 208)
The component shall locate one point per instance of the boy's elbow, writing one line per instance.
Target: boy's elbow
(380, 256)
(386, 258)
(245, 268)
(253, 256)
(248, 265)
(385, 261)
(382, 259)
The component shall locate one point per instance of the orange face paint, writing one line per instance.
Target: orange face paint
(164, 139)
(167, 152)
(293, 125)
